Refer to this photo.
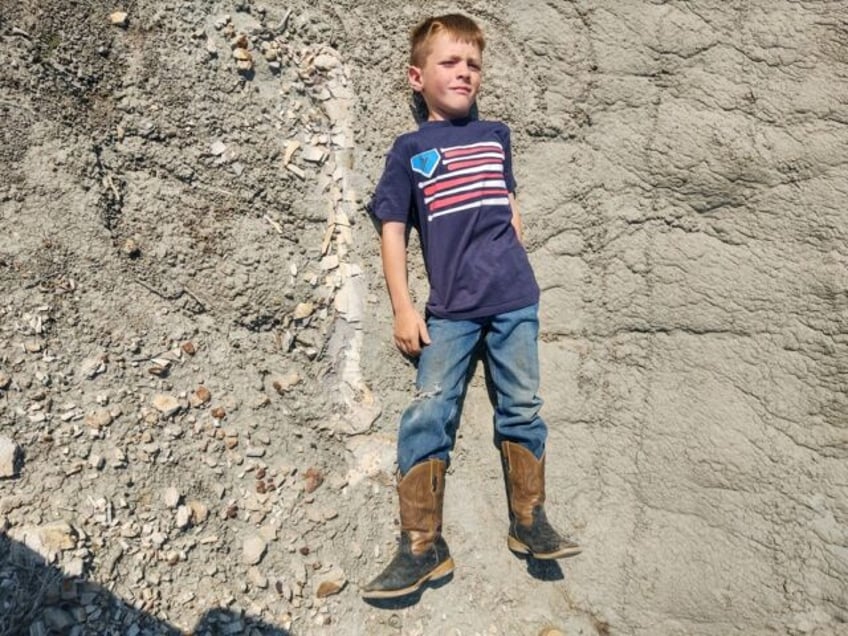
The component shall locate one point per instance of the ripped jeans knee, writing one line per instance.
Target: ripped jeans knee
(426, 427)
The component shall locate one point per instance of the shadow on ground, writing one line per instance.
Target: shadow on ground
(37, 599)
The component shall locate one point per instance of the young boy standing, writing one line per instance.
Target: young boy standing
(452, 180)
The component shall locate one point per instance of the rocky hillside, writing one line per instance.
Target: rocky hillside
(198, 389)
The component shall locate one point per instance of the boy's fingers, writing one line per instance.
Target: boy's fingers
(425, 335)
(408, 346)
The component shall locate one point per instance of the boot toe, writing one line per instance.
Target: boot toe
(407, 572)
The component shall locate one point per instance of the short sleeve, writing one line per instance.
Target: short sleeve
(503, 133)
(392, 199)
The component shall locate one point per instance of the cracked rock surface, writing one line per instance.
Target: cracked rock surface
(198, 387)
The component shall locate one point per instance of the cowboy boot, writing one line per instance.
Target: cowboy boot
(529, 530)
(422, 553)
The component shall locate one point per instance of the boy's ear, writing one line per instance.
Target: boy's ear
(414, 76)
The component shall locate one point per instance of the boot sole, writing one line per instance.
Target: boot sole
(439, 572)
(522, 548)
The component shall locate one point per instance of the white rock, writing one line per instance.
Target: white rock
(74, 567)
(313, 154)
(253, 549)
(98, 419)
(48, 540)
(199, 511)
(91, 367)
(325, 62)
(284, 383)
(255, 576)
(303, 310)
(172, 497)
(331, 261)
(291, 147)
(183, 516)
(119, 18)
(167, 405)
(10, 454)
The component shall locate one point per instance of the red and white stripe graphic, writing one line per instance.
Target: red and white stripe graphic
(474, 178)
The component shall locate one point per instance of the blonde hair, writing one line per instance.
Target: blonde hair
(459, 26)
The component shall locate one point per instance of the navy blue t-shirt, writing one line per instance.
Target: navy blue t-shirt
(451, 180)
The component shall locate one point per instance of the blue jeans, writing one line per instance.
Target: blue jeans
(428, 426)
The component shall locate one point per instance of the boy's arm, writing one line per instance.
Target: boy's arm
(516, 218)
(410, 330)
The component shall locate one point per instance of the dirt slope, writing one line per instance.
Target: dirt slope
(197, 380)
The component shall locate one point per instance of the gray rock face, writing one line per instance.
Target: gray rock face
(682, 177)
(195, 341)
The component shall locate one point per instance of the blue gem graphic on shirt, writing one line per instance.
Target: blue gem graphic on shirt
(425, 163)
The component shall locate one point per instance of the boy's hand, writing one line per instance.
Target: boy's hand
(410, 332)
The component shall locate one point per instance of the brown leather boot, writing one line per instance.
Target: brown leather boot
(529, 530)
(422, 554)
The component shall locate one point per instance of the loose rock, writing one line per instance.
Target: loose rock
(10, 457)
(119, 19)
(253, 549)
(167, 405)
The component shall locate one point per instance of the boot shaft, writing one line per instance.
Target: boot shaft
(421, 493)
(525, 481)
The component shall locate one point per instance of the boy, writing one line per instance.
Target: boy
(452, 179)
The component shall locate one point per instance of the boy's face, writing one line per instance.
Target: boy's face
(449, 80)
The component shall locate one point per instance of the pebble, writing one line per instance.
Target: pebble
(199, 511)
(325, 62)
(253, 549)
(57, 619)
(200, 396)
(92, 367)
(303, 310)
(167, 405)
(329, 262)
(5, 381)
(255, 576)
(98, 419)
(183, 516)
(285, 383)
(119, 19)
(33, 346)
(313, 154)
(291, 147)
(313, 479)
(298, 172)
(10, 457)
(48, 540)
(131, 248)
(172, 497)
(244, 60)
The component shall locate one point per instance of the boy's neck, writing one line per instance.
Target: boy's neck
(456, 121)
